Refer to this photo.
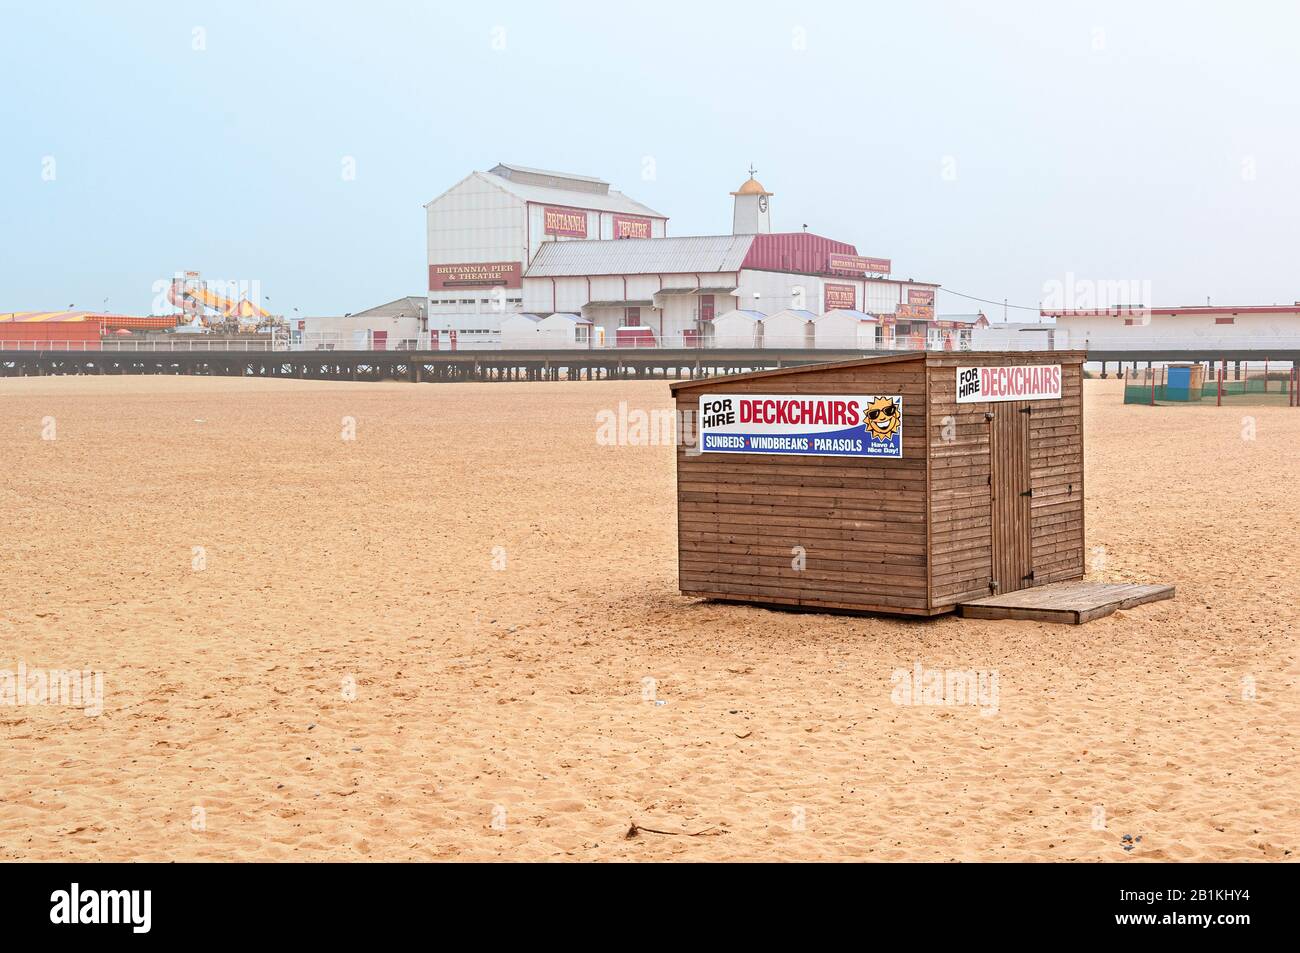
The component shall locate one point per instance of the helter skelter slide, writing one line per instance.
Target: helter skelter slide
(205, 307)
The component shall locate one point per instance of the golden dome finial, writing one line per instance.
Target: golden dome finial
(751, 186)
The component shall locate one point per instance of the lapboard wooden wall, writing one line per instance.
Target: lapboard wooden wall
(912, 535)
(982, 530)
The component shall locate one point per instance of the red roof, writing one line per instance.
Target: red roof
(800, 252)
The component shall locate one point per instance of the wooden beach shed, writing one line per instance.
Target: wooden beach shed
(908, 483)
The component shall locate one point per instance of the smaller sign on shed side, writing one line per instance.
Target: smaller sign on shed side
(827, 426)
(1018, 382)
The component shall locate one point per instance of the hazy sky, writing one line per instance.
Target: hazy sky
(992, 147)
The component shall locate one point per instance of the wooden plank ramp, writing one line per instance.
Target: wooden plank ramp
(1072, 603)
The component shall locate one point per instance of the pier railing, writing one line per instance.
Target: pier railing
(146, 345)
(1113, 347)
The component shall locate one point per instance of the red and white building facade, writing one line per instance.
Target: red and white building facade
(521, 240)
(675, 287)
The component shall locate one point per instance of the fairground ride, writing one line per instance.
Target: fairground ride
(205, 307)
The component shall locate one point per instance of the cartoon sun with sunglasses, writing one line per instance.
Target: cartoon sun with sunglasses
(883, 416)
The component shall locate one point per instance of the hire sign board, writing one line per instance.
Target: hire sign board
(802, 425)
(1025, 382)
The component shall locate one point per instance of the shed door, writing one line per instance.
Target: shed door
(1009, 478)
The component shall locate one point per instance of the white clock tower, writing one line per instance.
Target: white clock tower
(753, 208)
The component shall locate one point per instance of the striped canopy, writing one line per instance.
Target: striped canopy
(159, 322)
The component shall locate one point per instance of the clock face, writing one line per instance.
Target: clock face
(762, 203)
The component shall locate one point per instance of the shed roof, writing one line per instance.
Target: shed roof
(641, 256)
(410, 306)
(743, 312)
(569, 316)
(1059, 357)
(848, 313)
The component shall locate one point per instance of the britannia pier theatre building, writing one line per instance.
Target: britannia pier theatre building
(520, 241)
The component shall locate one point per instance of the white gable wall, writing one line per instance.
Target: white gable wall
(475, 221)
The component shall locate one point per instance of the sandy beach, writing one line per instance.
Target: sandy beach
(431, 641)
